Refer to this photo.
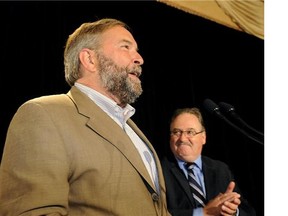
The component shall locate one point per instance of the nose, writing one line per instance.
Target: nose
(183, 136)
(138, 60)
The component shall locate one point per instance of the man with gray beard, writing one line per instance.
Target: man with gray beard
(80, 153)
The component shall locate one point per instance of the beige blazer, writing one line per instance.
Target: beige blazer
(64, 156)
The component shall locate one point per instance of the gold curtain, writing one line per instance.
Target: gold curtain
(242, 15)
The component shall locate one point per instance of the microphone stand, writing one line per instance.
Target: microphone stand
(228, 108)
(214, 109)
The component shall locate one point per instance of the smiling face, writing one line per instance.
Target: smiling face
(185, 147)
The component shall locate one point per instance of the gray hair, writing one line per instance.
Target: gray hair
(194, 111)
(88, 35)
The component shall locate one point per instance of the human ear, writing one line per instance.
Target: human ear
(86, 57)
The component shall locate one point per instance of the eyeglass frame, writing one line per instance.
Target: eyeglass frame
(178, 133)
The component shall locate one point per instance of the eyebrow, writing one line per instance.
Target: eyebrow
(186, 129)
(129, 42)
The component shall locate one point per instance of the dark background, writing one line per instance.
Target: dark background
(187, 59)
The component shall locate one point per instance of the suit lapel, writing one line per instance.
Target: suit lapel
(107, 128)
(147, 142)
(210, 180)
(180, 177)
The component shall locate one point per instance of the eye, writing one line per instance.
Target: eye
(126, 46)
(176, 132)
(190, 133)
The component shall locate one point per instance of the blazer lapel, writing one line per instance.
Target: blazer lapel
(106, 127)
(180, 177)
(210, 180)
(150, 146)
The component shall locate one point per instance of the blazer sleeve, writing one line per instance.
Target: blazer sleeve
(217, 176)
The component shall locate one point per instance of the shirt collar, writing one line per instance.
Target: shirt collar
(182, 163)
(108, 105)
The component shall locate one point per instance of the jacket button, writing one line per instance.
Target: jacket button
(155, 197)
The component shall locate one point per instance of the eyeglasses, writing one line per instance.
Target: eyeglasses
(187, 133)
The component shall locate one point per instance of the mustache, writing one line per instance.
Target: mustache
(183, 143)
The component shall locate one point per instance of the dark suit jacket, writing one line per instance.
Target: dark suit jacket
(217, 176)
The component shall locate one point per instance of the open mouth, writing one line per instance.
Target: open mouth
(135, 73)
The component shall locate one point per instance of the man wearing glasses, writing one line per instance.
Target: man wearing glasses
(210, 189)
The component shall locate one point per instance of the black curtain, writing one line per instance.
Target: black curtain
(187, 59)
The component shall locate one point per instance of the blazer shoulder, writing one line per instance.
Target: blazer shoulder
(168, 161)
(210, 162)
(48, 99)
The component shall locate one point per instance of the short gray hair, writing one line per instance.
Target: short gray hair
(88, 35)
(194, 111)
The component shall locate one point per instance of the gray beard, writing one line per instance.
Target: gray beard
(116, 80)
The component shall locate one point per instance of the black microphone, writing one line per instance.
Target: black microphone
(228, 108)
(213, 108)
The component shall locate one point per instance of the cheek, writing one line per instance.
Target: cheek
(123, 60)
(173, 145)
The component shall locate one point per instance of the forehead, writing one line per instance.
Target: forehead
(118, 34)
(186, 120)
